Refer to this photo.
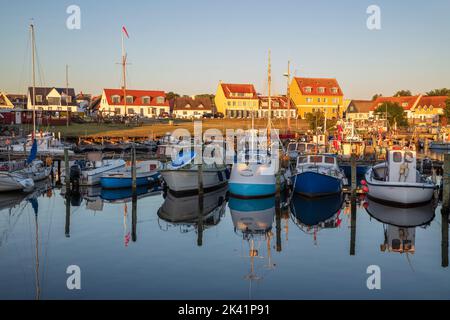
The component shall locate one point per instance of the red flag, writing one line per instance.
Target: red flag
(125, 31)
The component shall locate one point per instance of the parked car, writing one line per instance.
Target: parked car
(218, 115)
(208, 115)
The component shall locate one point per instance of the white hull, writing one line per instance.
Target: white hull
(185, 180)
(92, 177)
(15, 182)
(399, 193)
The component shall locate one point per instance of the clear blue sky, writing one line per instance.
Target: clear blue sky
(188, 46)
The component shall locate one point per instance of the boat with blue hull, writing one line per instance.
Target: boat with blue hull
(147, 172)
(318, 175)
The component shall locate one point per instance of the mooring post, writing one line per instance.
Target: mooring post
(353, 173)
(133, 170)
(59, 171)
(444, 242)
(278, 225)
(200, 205)
(67, 169)
(353, 225)
(67, 226)
(446, 184)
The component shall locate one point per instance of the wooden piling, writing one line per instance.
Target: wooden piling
(67, 226)
(353, 225)
(133, 170)
(200, 205)
(278, 224)
(446, 184)
(59, 172)
(354, 174)
(67, 169)
(134, 218)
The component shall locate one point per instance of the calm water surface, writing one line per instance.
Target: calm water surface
(241, 249)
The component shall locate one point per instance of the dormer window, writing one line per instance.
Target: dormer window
(308, 89)
(334, 90)
(321, 89)
(130, 99)
(145, 100)
(160, 100)
(404, 104)
(201, 106)
(39, 98)
(115, 99)
(188, 106)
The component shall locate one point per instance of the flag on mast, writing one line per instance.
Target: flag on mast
(125, 31)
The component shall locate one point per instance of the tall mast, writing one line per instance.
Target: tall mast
(269, 82)
(288, 96)
(124, 75)
(33, 98)
(67, 94)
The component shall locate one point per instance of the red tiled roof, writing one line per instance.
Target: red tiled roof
(282, 102)
(229, 88)
(137, 97)
(194, 104)
(435, 101)
(406, 102)
(315, 83)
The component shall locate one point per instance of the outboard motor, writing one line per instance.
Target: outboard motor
(75, 174)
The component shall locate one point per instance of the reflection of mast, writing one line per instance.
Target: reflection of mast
(278, 227)
(444, 243)
(252, 276)
(38, 287)
(353, 226)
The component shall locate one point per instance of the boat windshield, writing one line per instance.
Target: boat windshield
(329, 160)
(316, 159)
(301, 147)
(292, 147)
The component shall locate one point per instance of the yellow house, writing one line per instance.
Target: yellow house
(428, 108)
(317, 94)
(5, 103)
(236, 100)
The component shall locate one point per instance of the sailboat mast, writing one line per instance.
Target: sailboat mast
(33, 64)
(67, 94)
(124, 74)
(269, 82)
(288, 96)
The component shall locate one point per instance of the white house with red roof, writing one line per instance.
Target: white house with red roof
(279, 107)
(236, 100)
(146, 103)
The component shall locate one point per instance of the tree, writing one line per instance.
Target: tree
(376, 96)
(447, 109)
(439, 92)
(315, 119)
(172, 95)
(395, 113)
(403, 93)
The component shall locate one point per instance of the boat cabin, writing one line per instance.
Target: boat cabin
(401, 167)
(317, 160)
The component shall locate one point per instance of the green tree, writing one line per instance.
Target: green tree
(439, 92)
(403, 93)
(395, 114)
(172, 95)
(315, 119)
(376, 96)
(447, 109)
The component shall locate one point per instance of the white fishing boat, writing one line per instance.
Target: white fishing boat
(89, 172)
(146, 172)
(15, 181)
(398, 182)
(443, 145)
(181, 174)
(47, 145)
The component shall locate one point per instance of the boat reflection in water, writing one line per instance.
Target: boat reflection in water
(400, 224)
(184, 212)
(313, 214)
(253, 219)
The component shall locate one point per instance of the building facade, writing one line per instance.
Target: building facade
(52, 99)
(146, 103)
(279, 107)
(189, 108)
(359, 110)
(236, 100)
(312, 95)
(5, 103)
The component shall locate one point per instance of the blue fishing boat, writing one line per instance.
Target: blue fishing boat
(147, 172)
(318, 175)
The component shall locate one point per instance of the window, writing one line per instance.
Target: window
(325, 100)
(334, 90)
(160, 100)
(117, 111)
(335, 100)
(142, 111)
(229, 103)
(315, 159)
(145, 100)
(55, 101)
(318, 99)
(302, 160)
(329, 160)
(321, 89)
(309, 100)
(130, 100)
(115, 99)
(130, 110)
(161, 111)
(244, 104)
(397, 156)
(69, 109)
(409, 157)
(68, 99)
(39, 98)
(308, 89)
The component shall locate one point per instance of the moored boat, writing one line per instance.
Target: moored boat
(14, 181)
(90, 172)
(398, 182)
(318, 175)
(146, 173)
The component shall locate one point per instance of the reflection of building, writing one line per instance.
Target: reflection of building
(236, 100)
(312, 95)
(146, 103)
